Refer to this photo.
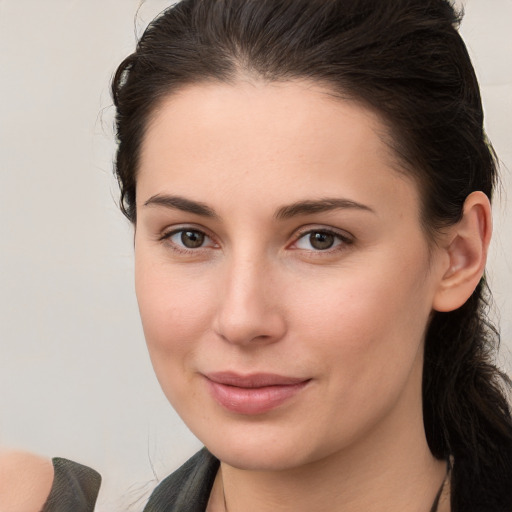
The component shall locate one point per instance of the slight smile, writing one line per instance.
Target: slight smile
(255, 393)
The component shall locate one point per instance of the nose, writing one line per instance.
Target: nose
(249, 311)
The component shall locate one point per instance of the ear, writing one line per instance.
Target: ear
(466, 247)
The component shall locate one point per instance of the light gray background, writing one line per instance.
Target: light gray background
(75, 380)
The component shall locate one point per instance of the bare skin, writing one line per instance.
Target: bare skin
(25, 481)
(218, 503)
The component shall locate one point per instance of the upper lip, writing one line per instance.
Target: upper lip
(253, 380)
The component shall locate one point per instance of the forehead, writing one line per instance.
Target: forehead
(277, 113)
(276, 138)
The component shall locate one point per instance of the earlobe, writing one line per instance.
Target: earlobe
(467, 254)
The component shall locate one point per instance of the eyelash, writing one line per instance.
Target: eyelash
(340, 240)
(167, 237)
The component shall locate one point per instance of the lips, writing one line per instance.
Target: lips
(253, 394)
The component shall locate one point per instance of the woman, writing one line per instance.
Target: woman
(309, 183)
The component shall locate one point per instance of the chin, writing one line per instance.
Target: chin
(256, 458)
(253, 452)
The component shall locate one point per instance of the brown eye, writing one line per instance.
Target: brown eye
(188, 239)
(320, 240)
(192, 239)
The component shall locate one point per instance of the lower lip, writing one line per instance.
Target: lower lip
(253, 400)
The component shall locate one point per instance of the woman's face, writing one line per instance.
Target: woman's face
(283, 278)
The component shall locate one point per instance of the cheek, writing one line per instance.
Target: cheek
(365, 334)
(175, 314)
(365, 319)
(176, 309)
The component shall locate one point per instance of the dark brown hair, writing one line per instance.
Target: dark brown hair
(406, 61)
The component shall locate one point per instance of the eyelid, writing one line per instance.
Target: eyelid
(346, 238)
(166, 235)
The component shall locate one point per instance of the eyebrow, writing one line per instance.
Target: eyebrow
(183, 204)
(317, 206)
(296, 209)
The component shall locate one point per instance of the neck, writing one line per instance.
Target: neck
(351, 486)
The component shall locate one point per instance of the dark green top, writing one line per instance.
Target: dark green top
(188, 488)
(75, 487)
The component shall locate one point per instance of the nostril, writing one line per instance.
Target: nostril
(263, 328)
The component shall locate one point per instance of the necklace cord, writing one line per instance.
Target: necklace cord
(435, 505)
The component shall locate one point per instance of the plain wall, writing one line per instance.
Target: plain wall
(75, 379)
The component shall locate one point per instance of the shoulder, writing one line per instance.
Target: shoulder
(188, 488)
(75, 487)
(25, 481)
